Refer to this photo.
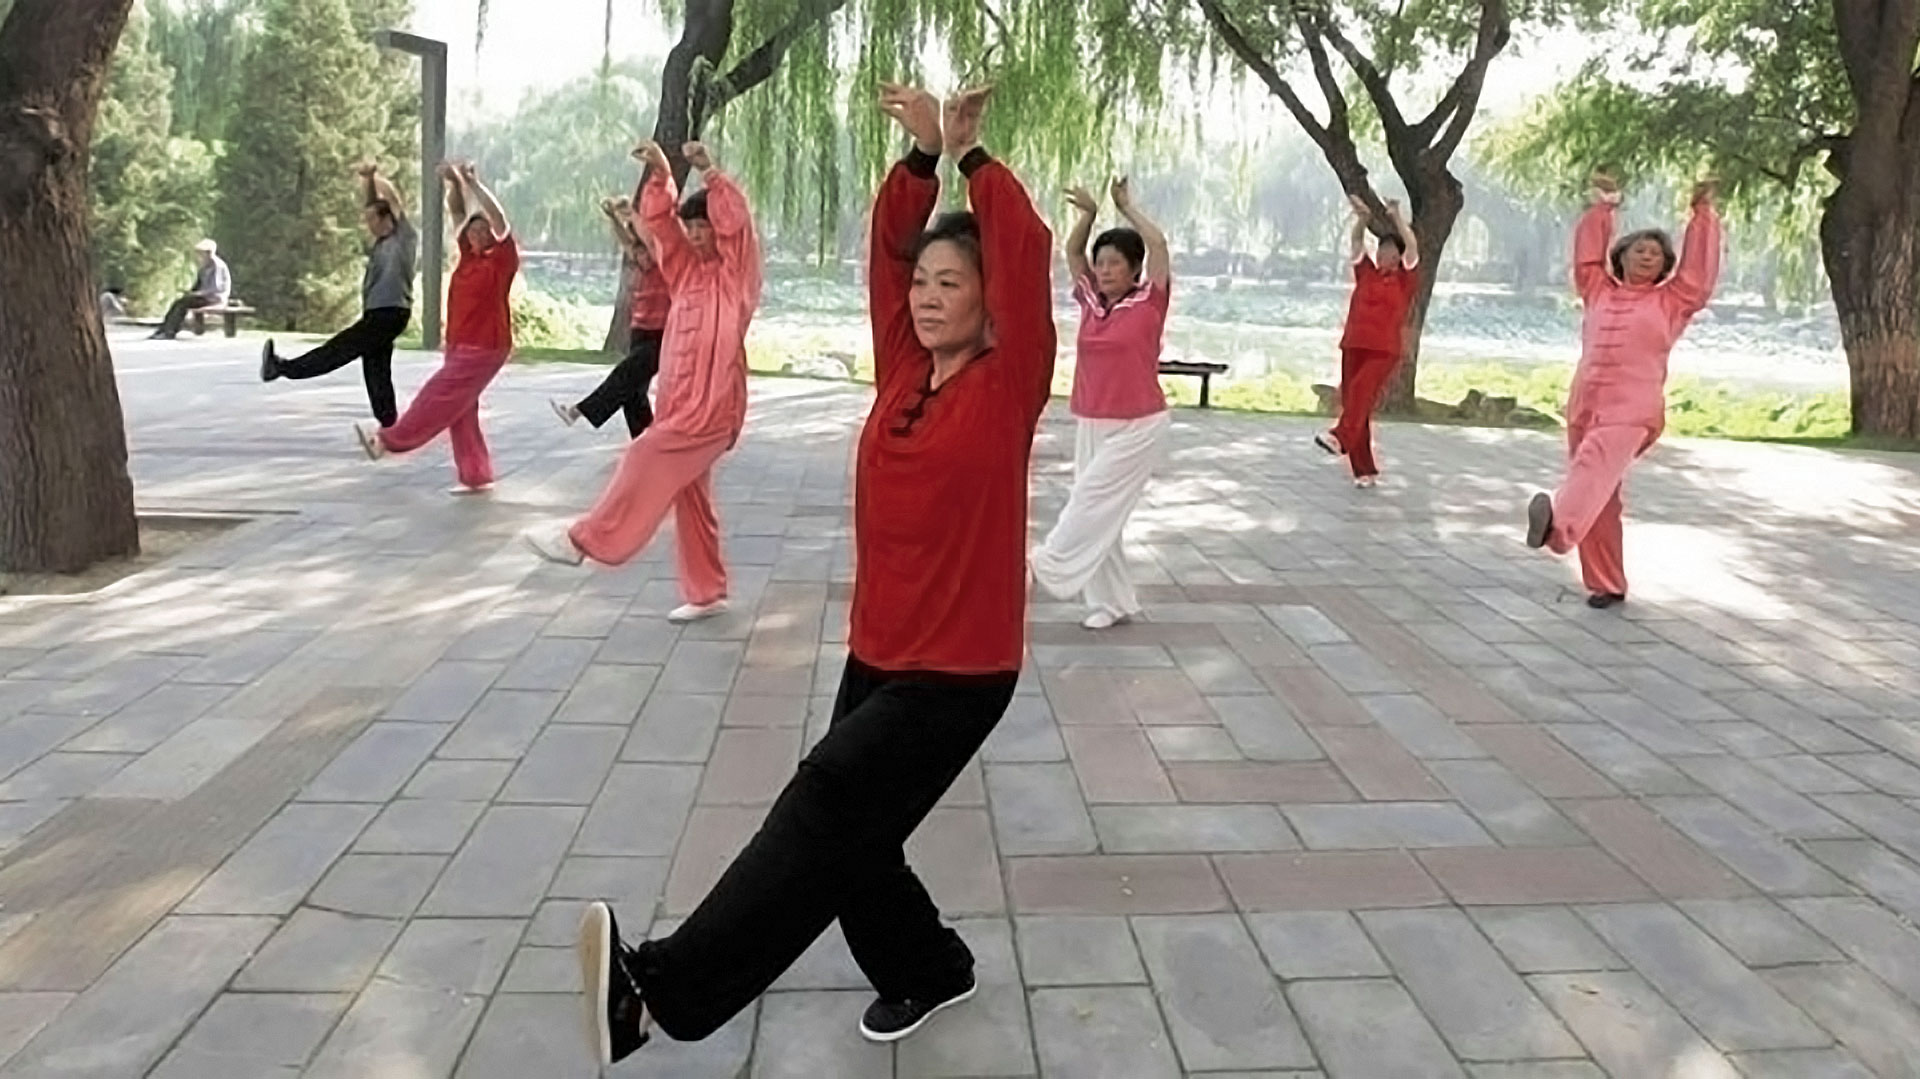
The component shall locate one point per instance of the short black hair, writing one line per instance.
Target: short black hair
(381, 207)
(695, 207)
(1127, 242)
(959, 228)
(1617, 259)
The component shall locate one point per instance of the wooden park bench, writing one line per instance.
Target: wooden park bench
(1202, 371)
(230, 313)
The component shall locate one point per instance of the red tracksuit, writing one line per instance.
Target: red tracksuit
(1370, 349)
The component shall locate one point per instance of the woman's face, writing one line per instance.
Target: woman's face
(947, 299)
(700, 236)
(1388, 257)
(1113, 275)
(479, 234)
(1643, 261)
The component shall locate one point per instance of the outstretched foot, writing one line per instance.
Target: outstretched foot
(1366, 482)
(1600, 601)
(1539, 520)
(1102, 618)
(616, 1010)
(1326, 440)
(695, 612)
(269, 363)
(568, 414)
(892, 1020)
(369, 438)
(552, 542)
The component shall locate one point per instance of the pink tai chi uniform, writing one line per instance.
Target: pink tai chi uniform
(701, 402)
(1618, 405)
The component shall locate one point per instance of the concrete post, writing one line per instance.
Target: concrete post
(433, 149)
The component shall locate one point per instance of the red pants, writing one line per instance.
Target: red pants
(1586, 508)
(1363, 377)
(661, 471)
(450, 402)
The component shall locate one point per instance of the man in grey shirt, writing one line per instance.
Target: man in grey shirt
(386, 302)
(212, 284)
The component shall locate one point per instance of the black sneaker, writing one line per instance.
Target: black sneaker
(892, 1020)
(269, 363)
(1600, 601)
(614, 1004)
(1539, 520)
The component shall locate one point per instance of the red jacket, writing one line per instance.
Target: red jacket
(940, 500)
(1377, 314)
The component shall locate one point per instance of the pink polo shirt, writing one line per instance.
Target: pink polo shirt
(1117, 373)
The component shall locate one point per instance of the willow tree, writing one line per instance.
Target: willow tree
(65, 497)
(1789, 101)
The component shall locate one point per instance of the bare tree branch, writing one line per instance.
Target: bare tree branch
(759, 65)
(1323, 71)
(1378, 89)
(1496, 27)
(1238, 44)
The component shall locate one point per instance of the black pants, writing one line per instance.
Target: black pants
(625, 387)
(833, 846)
(370, 341)
(177, 314)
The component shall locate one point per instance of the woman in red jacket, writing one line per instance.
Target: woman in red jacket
(964, 346)
(1383, 289)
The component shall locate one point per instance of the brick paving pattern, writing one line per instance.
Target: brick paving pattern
(1372, 795)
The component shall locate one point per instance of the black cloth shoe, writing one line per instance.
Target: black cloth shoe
(614, 1003)
(1600, 601)
(269, 363)
(1539, 520)
(892, 1020)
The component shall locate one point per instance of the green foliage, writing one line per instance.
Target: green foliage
(541, 321)
(150, 195)
(205, 43)
(289, 210)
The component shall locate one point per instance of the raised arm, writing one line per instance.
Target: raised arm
(456, 195)
(1076, 247)
(619, 215)
(900, 211)
(1159, 262)
(1357, 233)
(375, 187)
(1591, 237)
(489, 206)
(1693, 281)
(660, 213)
(732, 221)
(1409, 243)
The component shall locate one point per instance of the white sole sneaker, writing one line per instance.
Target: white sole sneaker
(566, 412)
(1105, 619)
(595, 952)
(696, 612)
(463, 489)
(368, 437)
(552, 543)
(896, 1035)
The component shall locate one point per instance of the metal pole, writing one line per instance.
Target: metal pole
(433, 148)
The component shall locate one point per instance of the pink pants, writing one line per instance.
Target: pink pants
(450, 402)
(1586, 508)
(661, 471)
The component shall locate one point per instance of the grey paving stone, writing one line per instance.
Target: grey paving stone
(1543, 940)
(638, 639)
(1316, 944)
(1623, 760)
(1355, 669)
(22, 1015)
(1884, 771)
(446, 693)
(114, 686)
(1538, 1069)
(1215, 670)
(18, 819)
(1265, 728)
(1874, 1023)
(1480, 1005)
(724, 1054)
(1068, 950)
(524, 1035)
(826, 964)
(1177, 828)
(272, 871)
(1306, 625)
(1101, 1032)
(1759, 932)
(1194, 744)
(254, 1036)
(565, 766)
(1810, 775)
(458, 781)
(790, 1046)
(675, 728)
(1875, 870)
(1371, 1029)
(1874, 938)
(378, 885)
(1765, 799)
(544, 970)
(1221, 1003)
(608, 693)
(24, 739)
(122, 1024)
(1385, 825)
(498, 637)
(1027, 733)
(551, 663)
(1037, 809)
(419, 826)
(319, 951)
(1886, 819)
(506, 865)
(501, 726)
(1802, 1064)
(1728, 1003)
(1505, 805)
(376, 765)
(247, 659)
(1423, 729)
(62, 775)
(451, 955)
(701, 667)
(398, 1030)
(180, 765)
(151, 720)
(1629, 1029)
(1749, 849)
(631, 884)
(641, 810)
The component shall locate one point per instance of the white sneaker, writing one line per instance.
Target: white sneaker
(369, 438)
(551, 542)
(1365, 482)
(1104, 619)
(463, 489)
(568, 414)
(1326, 441)
(694, 612)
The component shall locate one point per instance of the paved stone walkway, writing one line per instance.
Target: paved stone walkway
(1371, 796)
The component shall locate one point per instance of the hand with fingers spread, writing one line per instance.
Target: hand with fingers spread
(915, 110)
(963, 114)
(468, 171)
(1122, 195)
(697, 155)
(1082, 200)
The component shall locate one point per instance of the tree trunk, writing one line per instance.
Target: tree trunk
(1871, 262)
(66, 501)
(1437, 199)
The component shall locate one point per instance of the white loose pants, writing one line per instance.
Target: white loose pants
(1112, 460)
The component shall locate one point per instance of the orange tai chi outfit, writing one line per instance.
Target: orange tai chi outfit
(701, 403)
(1618, 405)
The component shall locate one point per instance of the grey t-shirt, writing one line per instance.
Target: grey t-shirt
(389, 278)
